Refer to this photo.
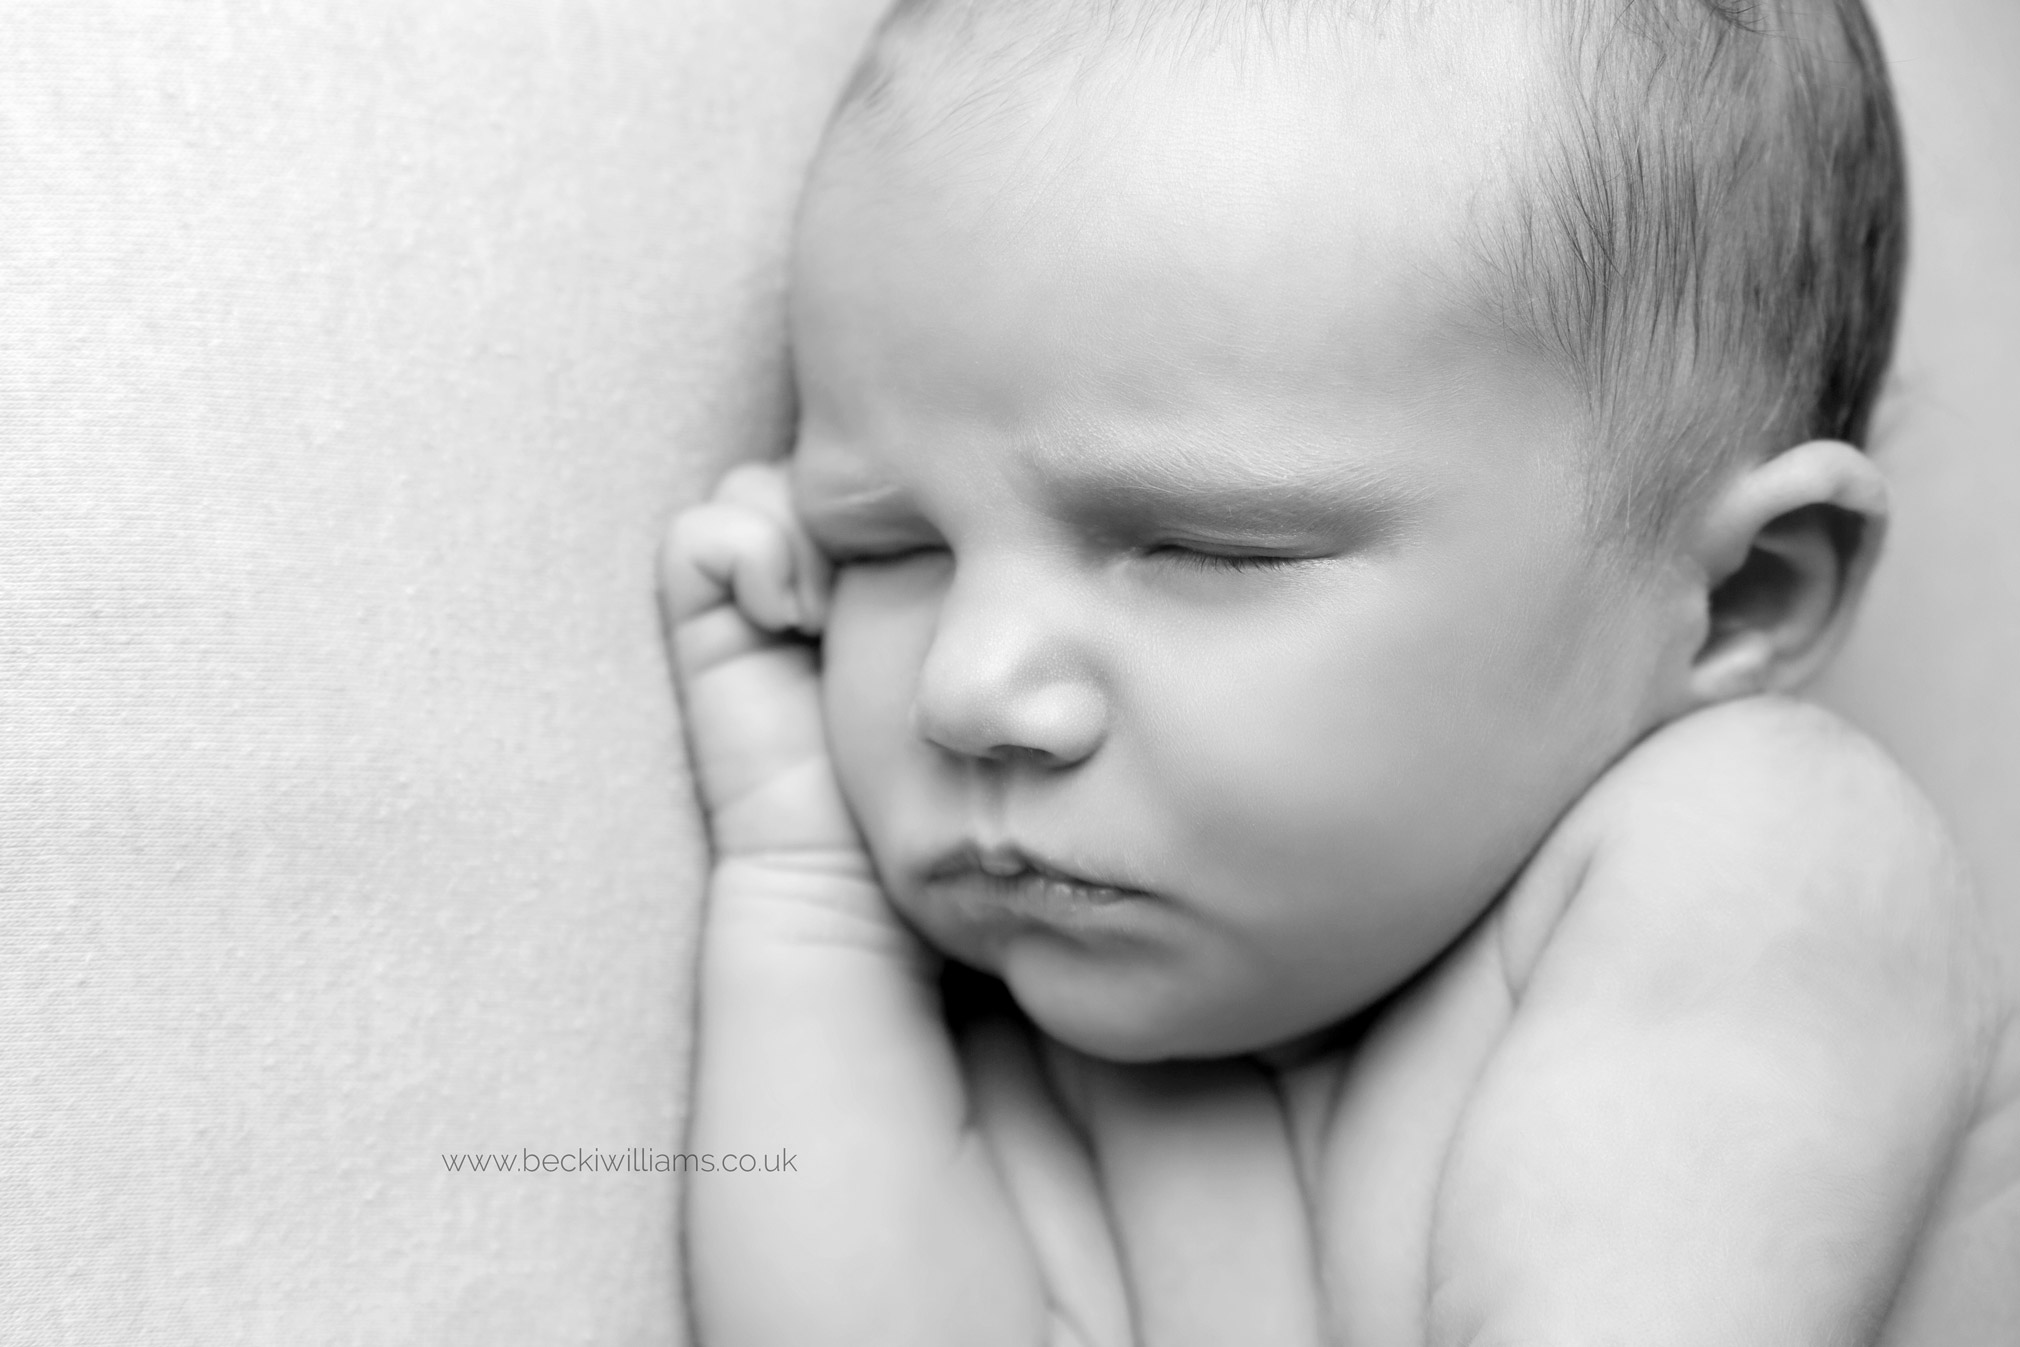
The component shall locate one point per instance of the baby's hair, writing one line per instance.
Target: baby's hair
(1711, 234)
(1717, 236)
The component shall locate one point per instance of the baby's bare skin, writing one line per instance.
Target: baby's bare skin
(1428, 923)
(1700, 1078)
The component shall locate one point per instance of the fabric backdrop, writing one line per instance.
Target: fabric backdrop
(351, 356)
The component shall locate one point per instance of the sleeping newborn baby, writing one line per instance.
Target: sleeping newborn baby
(1303, 517)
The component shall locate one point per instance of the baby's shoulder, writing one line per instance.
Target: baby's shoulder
(1773, 741)
(1767, 822)
(1783, 786)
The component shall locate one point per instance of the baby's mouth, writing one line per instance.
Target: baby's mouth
(1014, 875)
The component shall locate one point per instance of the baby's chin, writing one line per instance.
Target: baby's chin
(1146, 1012)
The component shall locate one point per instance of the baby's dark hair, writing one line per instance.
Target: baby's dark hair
(1711, 236)
(1717, 236)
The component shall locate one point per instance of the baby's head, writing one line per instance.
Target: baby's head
(1282, 451)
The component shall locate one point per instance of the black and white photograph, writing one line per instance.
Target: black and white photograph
(1009, 673)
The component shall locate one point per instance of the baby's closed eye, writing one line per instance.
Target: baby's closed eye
(884, 556)
(1214, 559)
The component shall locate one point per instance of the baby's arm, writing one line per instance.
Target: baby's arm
(819, 1029)
(1742, 1053)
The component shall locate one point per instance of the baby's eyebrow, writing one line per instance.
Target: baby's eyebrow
(1272, 490)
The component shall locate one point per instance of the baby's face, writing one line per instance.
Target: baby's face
(1218, 628)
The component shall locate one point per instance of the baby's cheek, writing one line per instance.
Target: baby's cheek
(1345, 823)
(869, 667)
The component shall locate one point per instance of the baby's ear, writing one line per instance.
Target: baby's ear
(1785, 549)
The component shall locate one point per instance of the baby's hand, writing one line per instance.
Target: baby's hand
(742, 585)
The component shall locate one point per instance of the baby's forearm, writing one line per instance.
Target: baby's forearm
(820, 1036)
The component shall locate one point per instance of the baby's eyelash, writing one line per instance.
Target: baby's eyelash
(1191, 557)
(878, 558)
(1220, 561)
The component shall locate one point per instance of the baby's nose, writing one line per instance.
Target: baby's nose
(1004, 691)
(1052, 726)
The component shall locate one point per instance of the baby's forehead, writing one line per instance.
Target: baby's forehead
(1151, 168)
(1318, 185)
(1058, 80)
(1192, 278)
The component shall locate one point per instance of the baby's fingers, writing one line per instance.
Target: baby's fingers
(722, 554)
(763, 487)
(749, 689)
